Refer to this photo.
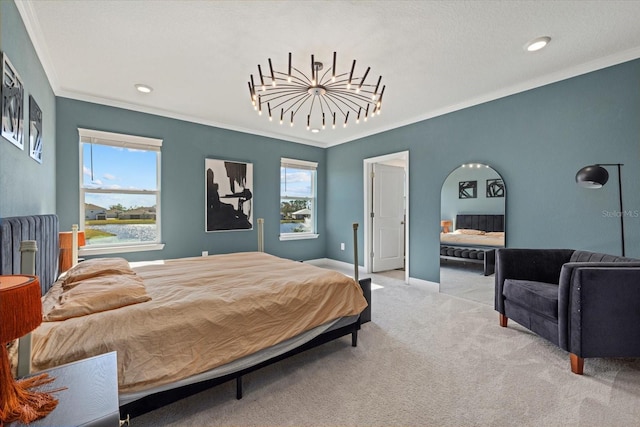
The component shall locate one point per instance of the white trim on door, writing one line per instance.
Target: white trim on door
(399, 158)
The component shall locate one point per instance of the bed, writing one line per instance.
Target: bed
(475, 238)
(181, 325)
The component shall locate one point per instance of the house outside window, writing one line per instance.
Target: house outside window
(119, 192)
(298, 199)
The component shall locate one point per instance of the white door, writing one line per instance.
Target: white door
(388, 217)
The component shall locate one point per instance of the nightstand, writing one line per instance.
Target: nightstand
(91, 396)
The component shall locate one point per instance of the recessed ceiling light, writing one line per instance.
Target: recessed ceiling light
(315, 130)
(537, 44)
(144, 88)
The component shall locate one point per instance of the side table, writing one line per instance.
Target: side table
(90, 397)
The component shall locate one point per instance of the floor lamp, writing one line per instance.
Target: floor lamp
(595, 176)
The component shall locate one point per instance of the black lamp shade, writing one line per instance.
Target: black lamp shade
(594, 176)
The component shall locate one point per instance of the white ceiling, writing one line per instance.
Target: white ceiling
(434, 56)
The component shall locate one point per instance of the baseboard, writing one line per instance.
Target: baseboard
(335, 263)
(431, 286)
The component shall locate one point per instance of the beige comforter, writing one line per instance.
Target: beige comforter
(204, 312)
(494, 239)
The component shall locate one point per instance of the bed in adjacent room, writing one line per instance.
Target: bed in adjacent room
(475, 238)
(176, 323)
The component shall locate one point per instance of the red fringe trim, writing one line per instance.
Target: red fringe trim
(20, 308)
(17, 403)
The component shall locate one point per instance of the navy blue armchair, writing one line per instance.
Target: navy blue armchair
(584, 302)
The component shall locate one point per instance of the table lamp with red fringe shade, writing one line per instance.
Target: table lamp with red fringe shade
(20, 313)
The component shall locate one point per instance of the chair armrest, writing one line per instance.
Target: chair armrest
(598, 309)
(540, 265)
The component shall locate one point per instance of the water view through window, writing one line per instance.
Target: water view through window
(297, 200)
(120, 193)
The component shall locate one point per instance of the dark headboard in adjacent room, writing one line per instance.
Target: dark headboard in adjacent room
(480, 222)
(41, 228)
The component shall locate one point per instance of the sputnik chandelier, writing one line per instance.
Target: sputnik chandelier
(323, 98)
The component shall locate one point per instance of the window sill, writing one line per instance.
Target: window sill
(298, 236)
(89, 251)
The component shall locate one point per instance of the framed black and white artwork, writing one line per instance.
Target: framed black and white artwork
(35, 130)
(12, 104)
(228, 195)
(467, 189)
(495, 188)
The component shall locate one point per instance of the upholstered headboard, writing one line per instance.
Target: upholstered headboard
(41, 228)
(480, 222)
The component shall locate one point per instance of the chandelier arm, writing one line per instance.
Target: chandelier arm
(375, 91)
(336, 105)
(353, 67)
(333, 86)
(324, 81)
(294, 79)
(283, 99)
(298, 101)
(282, 91)
(346, 101)
(306, 79)
(338, 81)
(290, 104)
(313, 101)
(302, 102)
(344, 83)
(271, 70)
(326, 103)
(363, 77)
(353, 95)
(319, 120)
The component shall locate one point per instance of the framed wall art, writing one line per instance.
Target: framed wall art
(35, 130)
(495, 188)
(228, 195)
(12, 104)
(467, 189)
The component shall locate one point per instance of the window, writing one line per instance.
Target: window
(297, 199)
(119, 192)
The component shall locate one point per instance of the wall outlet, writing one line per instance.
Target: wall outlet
(342, 246)
(205, 253)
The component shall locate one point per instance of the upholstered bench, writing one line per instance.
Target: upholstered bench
(484, 256)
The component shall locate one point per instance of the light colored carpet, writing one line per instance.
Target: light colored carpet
(426, 359)
(466, 280)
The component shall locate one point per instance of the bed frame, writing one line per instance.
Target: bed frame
(480, 222)
(484, 255)
(44, 230)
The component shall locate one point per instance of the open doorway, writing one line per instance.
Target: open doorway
(386, 213)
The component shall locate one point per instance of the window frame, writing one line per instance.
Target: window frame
(305, 165)
(125, 141)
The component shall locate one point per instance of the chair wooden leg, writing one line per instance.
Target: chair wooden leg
(503, 320)
(577, 364)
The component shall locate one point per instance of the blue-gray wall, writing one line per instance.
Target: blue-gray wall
(537, 140)
(185, 147)
(27, 187)
(450, 202)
